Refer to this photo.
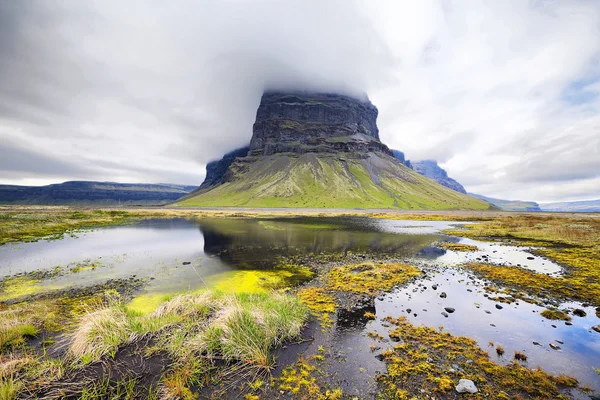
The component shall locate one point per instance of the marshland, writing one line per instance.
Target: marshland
(310, 304)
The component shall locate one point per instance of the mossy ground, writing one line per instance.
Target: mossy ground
(458, 247)
(208, 338)
(369, 278)
(175, 330)
(573, 242)
(424, 359)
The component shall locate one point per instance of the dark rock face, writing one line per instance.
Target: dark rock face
(215, 170)
(305, 122)
(400, 156)
(101, 193)
(430, 169)
(302, 122)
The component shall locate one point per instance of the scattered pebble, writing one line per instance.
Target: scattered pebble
(466, 386)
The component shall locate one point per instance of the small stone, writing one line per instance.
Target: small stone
(568, 323)
(596, 328)
(443, 295)
(579, 312)
(466, 386)
(560, 341)
(531, 258)
(449, 310)
(434, 286)
(498, 306)
(536, 344)
(186, 263)
(408, 310)
(445, 314)
(554, 346)
(493, 325)
(554, 326)
(379, 357)
(488, 312)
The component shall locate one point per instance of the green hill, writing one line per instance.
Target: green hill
(326, 181)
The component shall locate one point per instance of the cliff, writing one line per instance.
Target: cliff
(319, 150)
(432, 170)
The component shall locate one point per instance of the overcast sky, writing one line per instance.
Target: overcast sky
(505, 95)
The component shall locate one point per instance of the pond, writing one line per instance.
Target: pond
(175, 255)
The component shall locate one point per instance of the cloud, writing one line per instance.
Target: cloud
(501, 93)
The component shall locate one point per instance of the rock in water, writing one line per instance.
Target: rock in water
(319, 150)
(466, 386)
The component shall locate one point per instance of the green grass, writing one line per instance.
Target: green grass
(323, 181)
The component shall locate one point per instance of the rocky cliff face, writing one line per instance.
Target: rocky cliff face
(215, 170)
(319, 150)
(303, 122)
(432, 170)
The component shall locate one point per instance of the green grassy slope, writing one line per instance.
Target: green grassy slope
(329, 181)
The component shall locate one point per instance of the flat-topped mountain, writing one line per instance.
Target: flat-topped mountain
(93, 193)
(319, 150)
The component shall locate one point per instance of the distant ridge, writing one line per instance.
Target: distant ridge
(573, 206)
(93, 193)
(510, 205)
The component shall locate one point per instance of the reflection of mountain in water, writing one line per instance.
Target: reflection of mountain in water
(257, 243)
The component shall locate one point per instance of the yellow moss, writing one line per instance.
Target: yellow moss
(370, 315)
(252, 281)
(568, 286)
(572, 241)
(18, 286)
(408, 367)
(555, 314)
(370, 278)
(147, 302)
(458, 247)
(319, 302)
(300, 380)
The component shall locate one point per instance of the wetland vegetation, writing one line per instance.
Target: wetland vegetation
(295, 304)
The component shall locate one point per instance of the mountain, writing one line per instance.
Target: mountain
(319, 150)
(400, 156)
(510, 205)
(432, 170)
(573, 206)
(93, 193)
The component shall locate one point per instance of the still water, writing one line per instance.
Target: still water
(177, 255)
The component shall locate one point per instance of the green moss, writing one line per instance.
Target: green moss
(370, 278)
(410, 369)
(248, 281)
(319, 302)
(573, 242)
(458, 247)
(18, 286)
(555, 314)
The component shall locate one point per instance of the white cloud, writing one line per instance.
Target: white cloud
(504, 94)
